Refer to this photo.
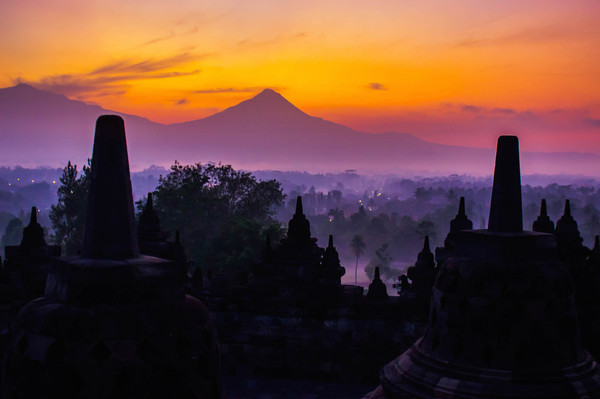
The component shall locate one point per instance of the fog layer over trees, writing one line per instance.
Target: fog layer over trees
(391, 214)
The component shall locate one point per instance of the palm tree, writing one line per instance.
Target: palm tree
(358, 248)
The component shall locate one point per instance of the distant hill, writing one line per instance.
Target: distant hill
(264, 132)
(42, 128)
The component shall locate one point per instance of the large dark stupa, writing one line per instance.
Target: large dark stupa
(113, 323)
(503, 321)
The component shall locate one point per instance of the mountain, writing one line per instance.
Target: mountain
(264, 132)
(42, 128)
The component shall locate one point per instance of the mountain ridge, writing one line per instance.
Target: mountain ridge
(265, 131)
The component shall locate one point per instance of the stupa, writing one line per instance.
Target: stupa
(28, 263)
(113, 323)
(298, 267)
(543, 223)
(503, 321)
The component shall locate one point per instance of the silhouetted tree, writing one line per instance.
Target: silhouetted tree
(13, 232)
(68, 215)
(426, 228)
(358, 248)
(383, 260)
(223, 214)
(337, 196)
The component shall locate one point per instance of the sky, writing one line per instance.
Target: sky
(453, 72)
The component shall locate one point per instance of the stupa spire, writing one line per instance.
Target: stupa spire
(506, 212)
(543, 224)
(33, 234)
(33, 217)
(299, 227)
(110, 231)
(299, 206)
(377, 289)
(461, 207)
(461, 221)
(543, 210)
(567, 211)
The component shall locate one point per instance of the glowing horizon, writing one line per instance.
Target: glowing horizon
(455, 73)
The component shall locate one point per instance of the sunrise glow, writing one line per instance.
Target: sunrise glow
(445, 71)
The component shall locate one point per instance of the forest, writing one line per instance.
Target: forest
(227, 213)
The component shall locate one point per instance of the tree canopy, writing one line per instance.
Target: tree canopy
(223, 215)
(13, 233)
(68, 215)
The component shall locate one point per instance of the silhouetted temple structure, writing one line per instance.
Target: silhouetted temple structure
(503, 320)
(377, 290)
(543, 224)
(153, 241)
(113, 323)
(296, 320)
(568, 238)
(460, 222)
(298, 266)
(422, 274)
(27, 263)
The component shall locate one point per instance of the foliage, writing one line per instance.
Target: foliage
(68, 215)
(358, 248)
(223, 215)
(382, 259)
(13, 232)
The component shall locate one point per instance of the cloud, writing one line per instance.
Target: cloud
(247, 89)
(376, 86)
(181, 101)
(157, 39)
(116, 77)
(497, 112)
(537, 35)
(145, 66)
(227, 90)
(472, 108)
(249, 43)
(592, 122)
(504, 111)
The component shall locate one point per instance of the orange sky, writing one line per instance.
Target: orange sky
(439, 69)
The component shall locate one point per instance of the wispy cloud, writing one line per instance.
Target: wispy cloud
(145, 66)
(376, 86)
(483, 111)
(592, 122)
(157, 40)
(472, 109)
(243, 89)
(504, 111)
(181, 101)
(537, 35)
(116, 78)
(227, 90)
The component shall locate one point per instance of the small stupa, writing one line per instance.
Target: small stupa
(543, 223)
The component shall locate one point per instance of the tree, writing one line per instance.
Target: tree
(223, 215)
(13, 232)
(426, 228)
(68, 215)
(382, 259)
(358, 248)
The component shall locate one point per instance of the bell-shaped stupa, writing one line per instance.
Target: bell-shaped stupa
(503, 321)
(113, 323)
